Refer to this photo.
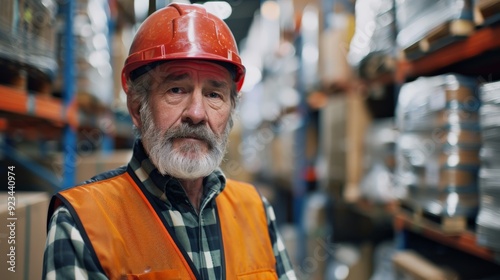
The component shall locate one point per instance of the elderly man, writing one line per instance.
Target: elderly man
(171, 213)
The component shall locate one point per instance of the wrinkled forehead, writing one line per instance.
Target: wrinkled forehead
(193, 70)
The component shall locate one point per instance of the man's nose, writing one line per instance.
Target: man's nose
(195, 112)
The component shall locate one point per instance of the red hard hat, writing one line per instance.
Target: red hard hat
(183, 31)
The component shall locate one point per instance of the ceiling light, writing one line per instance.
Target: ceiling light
(141, 10)
(221, 9)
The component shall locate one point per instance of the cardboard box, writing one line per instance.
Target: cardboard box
(333, 50)
(412, 266)
(90, 165)
(357, 122)
(26, 234)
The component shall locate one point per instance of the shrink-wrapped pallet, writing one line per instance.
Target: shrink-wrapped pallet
(438, 146)
(27, 36)
(371, 49)
(426, 25)
(488, 220)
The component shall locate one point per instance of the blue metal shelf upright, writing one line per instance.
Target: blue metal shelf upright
(69, 74)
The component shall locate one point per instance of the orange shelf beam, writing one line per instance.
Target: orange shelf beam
(19, 102)
(465, 241)
(481, 41)
(13, 100)
(50, 109)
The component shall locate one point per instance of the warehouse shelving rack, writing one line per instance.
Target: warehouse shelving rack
(29, 109)
(54, 117)
(479, 49)
(477, 55)
(465, 241)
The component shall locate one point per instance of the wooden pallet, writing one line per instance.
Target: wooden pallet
(24, 77)
(439, 37)
(486, 12)
(448, 225)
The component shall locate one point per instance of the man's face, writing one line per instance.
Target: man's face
(185, 126)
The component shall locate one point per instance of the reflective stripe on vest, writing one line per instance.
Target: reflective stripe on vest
(124, 231)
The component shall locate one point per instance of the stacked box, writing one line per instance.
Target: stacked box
(22, 234)
(372, 47)
(416, 19)
(438, 147)
(27, 34)
(488, 220)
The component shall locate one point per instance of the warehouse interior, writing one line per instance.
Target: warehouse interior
(371, 126)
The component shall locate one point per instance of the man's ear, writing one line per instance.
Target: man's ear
(134, 108)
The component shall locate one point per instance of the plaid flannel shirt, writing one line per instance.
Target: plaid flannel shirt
(68, 257)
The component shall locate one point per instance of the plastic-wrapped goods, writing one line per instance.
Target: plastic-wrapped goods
(383, 268)
(27, 35)
(437, 150)
(488, 220)
(490, 156)
(490, 118)
(441, 104)
(490, 125)
(373, 43)
(378, 182)
(92, 50)
(417, 19)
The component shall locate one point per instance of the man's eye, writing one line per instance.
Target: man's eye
(214, 95)
(175, 90)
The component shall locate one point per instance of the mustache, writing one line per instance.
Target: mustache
(200, 132)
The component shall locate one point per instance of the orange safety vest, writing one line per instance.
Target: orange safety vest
(125, 231)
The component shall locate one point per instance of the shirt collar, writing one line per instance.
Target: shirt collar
(162, 186)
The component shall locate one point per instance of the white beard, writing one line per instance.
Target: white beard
(188, 161)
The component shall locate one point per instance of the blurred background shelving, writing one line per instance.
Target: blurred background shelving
(372, 126)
